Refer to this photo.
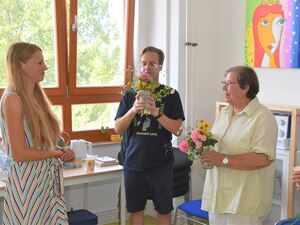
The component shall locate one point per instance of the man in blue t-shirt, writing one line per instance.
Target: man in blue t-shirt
(148, 162)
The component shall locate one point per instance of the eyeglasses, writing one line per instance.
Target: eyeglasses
(150, 64)
(228, 82)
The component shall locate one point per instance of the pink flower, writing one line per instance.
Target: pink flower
(184, 146)
(198, 144)
(195, 135)
(203, 138)
(145, 75)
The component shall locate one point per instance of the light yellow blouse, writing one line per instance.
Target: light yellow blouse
(244, 192)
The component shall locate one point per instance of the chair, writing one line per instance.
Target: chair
(191, 208)
(181, 174)
(182, 187)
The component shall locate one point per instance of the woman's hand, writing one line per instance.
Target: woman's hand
(67, 154)
(212, 157)
(296, 179)
(58, 153)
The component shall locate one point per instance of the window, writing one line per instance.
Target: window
(18, 22)
(86, 55)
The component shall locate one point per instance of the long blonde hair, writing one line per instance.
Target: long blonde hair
(42, 122)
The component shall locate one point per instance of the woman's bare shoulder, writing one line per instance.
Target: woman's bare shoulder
(11, 103)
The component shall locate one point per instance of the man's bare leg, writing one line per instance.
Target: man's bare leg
(137, 218)
(164, 219)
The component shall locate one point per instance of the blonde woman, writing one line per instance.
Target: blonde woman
(30, 131)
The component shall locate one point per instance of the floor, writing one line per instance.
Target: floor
(148, 221)
(152, 221)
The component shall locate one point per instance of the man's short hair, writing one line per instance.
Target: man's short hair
(158, 51)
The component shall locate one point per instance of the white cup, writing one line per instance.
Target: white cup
(297, 169)
(90, 164)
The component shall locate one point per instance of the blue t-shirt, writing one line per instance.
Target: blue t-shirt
(148, 141)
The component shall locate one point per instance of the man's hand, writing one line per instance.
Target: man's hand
(138, 104)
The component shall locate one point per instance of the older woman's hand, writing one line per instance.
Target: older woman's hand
(213, 157)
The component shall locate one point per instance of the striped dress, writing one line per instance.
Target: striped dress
(33, 194)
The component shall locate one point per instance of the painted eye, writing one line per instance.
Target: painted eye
(264, 23)
(281, 22)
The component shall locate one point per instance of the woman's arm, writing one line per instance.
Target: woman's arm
(13, 114)
(246, 161)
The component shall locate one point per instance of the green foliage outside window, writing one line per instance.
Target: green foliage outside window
(100, 48)
(100, 41)
(101, 115)
(30, 21)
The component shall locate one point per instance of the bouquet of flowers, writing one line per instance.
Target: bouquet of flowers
(197, 141)
(143, 84)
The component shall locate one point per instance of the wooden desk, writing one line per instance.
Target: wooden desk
(81, 176)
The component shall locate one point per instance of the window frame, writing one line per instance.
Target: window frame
(67, 94)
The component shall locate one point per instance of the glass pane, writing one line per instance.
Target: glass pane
(29, 21)
(93, 116)
(58, 112)
(100, 41)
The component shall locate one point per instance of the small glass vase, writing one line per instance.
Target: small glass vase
(206, 165)
(144, 95)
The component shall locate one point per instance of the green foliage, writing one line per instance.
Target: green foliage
(30, 21)
(99, 60)
(105, 130)
(162, 93)
(91, 116)
(99, 48)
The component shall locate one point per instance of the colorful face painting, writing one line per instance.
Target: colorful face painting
(272, 33)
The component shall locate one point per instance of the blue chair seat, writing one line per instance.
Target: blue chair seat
(194, 208)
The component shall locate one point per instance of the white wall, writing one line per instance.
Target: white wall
(150, 29)
(277, 86)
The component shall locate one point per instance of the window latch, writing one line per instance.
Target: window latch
(74, 25)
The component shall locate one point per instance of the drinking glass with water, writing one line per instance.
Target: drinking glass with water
(5, 165)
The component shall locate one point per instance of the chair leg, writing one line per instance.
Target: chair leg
(175, 217)
(189, 222)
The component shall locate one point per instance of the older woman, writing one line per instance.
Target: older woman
(239, 188)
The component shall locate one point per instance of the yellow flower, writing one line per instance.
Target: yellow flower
(200, 122)
(206, 125)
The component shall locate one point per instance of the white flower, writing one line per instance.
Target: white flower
(172, 91)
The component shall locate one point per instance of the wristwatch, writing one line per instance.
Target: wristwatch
(225, 161)
(159, 115)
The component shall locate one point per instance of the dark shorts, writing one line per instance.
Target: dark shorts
(156, 185)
